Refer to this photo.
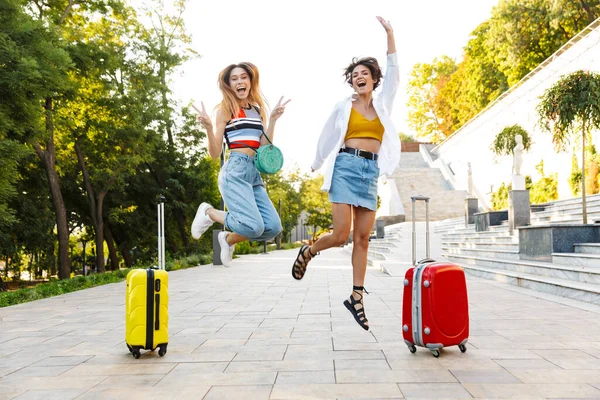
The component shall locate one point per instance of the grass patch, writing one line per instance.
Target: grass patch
(257, 247)
(56, 288)
(187, 262)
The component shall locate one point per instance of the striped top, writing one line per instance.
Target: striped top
(245, 129)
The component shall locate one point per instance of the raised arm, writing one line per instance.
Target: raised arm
(391, 43)
(392, 72)
(215, 138)
(277, 112)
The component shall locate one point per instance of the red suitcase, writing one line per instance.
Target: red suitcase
(435, 307)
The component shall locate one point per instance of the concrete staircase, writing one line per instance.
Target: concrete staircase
(567, 211)
(414, 177)
(494, 254)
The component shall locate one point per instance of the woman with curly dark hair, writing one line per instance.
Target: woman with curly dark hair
(360, 143)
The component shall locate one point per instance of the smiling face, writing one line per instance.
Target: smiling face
(239, 82)
(362, 80)
(364, 75)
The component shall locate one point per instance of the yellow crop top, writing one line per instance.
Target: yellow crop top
(360, 127)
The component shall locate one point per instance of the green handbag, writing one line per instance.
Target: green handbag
(268, 158)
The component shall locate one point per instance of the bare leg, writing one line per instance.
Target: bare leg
(219, 216)
(363, 223)
(342, 221)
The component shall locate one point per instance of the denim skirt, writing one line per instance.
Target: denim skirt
(354, 181)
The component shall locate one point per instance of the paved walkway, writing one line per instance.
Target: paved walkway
(253, 332)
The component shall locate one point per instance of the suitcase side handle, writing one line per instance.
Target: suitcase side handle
(414, 199)
(157, 318)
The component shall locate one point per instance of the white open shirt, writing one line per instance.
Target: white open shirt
(334, 131)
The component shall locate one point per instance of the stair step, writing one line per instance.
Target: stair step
(572, 208)
(507, 240)
(577, 259)
(483, 245)
(371, 255)
(459, 237)
(537, 268)
(500, 254)
(574, 290)
(588, 248)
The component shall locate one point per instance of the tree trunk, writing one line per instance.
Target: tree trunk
(88, 184)
(48, 159)
(100, 267)
(183, 228)
(583, 199)
(126, 254)
(590, 15)
(95, 209)
(112, 251)
(123, 245)
(165, 105)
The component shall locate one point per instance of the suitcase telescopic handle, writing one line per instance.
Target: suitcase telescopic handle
(414, 199)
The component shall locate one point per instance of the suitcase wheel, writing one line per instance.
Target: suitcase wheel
(162, 350)
(412, 348)
(136, 353)
(462, 348)
(435, 353)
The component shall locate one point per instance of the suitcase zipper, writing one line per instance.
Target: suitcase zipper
(150, 310)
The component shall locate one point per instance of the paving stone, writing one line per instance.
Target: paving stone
(333, 391)
(434, 391)
(552, 390)
(250, 331)
(484, 376)
(299, 377)
(256, 392)
(59, 394)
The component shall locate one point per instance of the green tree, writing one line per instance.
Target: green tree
(404, 138)
(316, 203)
(505, 142)
(546, 189)
(571, 108)
(476, 82)
(101, 119)
(33, 76)
(283, 189)
(424, 86)
(165, 46)
(524, 33)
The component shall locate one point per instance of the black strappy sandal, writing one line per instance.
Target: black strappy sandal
(359, 315)
(298, 270)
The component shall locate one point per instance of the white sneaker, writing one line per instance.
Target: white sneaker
(226, 249)
(202, 221)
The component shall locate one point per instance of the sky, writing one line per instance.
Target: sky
(302, 47)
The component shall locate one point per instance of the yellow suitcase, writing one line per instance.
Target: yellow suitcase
(147, 311)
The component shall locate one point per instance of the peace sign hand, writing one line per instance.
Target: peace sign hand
(386, 25)
(279, 109)
(203, 117)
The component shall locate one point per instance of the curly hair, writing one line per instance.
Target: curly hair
(369, 62)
